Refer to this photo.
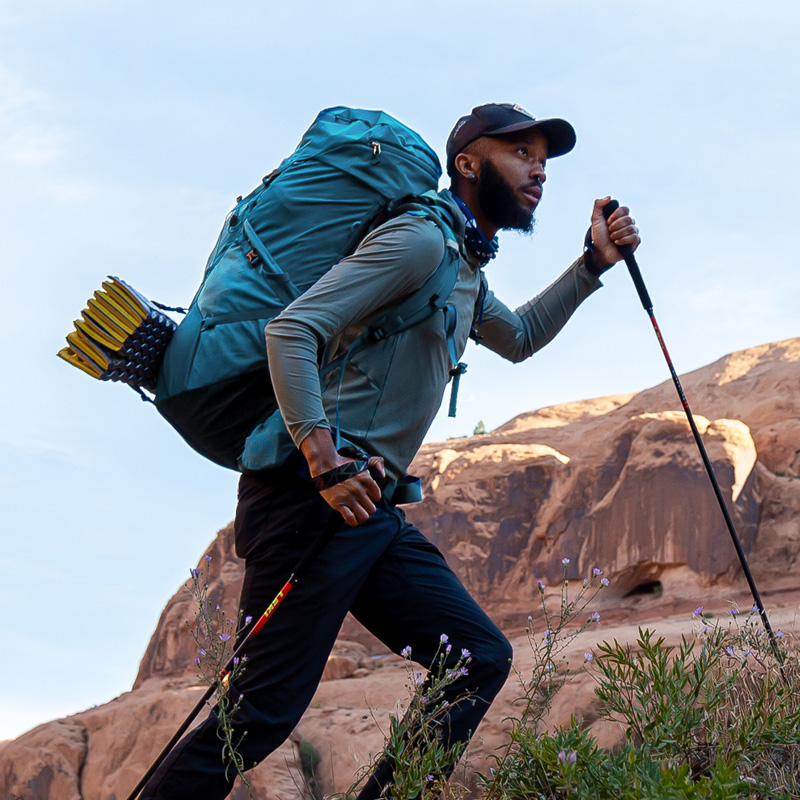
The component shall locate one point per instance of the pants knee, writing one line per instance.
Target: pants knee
(491, 666)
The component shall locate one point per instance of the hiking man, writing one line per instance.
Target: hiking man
(378, 566)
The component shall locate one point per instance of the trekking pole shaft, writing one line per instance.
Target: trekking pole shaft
(717, 491)
(310, 555)
(626, 251)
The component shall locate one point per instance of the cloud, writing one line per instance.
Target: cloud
(31, 146)
(23, 139)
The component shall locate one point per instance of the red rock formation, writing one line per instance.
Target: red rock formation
(614, 482)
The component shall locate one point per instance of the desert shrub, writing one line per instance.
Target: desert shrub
(717, 716)
(215, 635)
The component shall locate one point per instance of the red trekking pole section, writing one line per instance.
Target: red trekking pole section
(330, 529)
(627, 253)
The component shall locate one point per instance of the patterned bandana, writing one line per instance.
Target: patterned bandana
(484, 249)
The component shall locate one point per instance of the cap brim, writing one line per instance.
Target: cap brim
(560, 135)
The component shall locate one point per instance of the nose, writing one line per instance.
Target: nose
(537, 173)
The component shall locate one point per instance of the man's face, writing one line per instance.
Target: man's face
(511, 177)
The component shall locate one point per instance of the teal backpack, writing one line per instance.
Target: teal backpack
(352, 170)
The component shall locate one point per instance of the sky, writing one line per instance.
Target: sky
(127, 129)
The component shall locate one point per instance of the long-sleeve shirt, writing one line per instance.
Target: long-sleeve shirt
(389, 392)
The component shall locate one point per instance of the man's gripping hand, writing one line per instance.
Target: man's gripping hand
(619, 230)
(355, 498)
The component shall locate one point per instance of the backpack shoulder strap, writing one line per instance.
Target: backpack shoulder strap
(430, 297)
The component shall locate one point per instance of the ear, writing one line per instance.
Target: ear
(467, 165)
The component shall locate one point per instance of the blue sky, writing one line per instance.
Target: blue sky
(127, 130)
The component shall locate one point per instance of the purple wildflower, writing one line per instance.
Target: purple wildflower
(596, 571)
(734, 611)
(224, 637)
(562, 756)
(443, 638)
(466, 653)
(197, 661)
(208, 558)
(406, 652)
(587, 656)
(565, 561)
(604, 582)
(236, 661)
(730, 651)
(780, 634)
(463, 671)
(194, 572)
(248, 620)
(698, 611)
(572, 757)
(540, 585)
(595, 618)
(448, 648)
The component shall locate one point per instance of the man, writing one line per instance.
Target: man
(377, 566)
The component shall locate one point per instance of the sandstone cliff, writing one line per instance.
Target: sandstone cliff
(614, 482)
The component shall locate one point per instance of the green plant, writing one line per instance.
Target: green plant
(548, 675)
(724, 701)
(215, 635)
(715, 717)
(309, 761)
(415, 743)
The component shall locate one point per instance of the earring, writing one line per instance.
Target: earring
(472, 176)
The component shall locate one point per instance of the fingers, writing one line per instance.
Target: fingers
(621, 225)
(356, 498)
(622, 229)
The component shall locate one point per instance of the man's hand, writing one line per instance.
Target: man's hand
(354, 498)
(620, 229)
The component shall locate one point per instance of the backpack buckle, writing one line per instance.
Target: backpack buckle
(251, 257)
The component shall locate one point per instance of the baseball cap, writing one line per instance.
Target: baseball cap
(493, 119)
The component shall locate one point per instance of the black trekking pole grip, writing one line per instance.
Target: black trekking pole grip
(333, 524)
(626, 251)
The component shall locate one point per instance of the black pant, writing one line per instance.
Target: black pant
(384, 571)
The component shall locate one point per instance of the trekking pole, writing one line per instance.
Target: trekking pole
(627, 253)
(311, 554)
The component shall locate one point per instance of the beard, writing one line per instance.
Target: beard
(499, 204)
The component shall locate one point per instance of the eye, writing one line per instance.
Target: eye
(523, 150)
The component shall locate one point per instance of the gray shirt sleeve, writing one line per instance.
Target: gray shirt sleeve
(388, 265)
(516, 335)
